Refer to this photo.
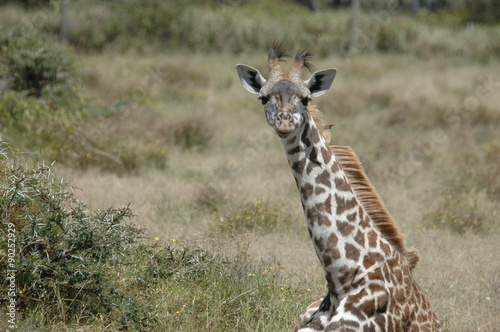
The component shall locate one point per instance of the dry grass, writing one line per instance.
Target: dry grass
(405, 118)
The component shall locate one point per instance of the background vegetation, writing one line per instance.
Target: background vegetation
(182, 213)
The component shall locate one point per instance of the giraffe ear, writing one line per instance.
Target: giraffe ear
(250, 78)
(321, 81)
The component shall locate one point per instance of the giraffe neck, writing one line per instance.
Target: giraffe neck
(341, 232)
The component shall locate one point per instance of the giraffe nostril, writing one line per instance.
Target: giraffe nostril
(284, 116)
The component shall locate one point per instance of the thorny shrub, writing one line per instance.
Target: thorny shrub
(65, 252)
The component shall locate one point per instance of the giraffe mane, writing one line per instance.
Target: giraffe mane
(372, 203)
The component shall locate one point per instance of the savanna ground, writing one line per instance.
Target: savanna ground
(208, 180)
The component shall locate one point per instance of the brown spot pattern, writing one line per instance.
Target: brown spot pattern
(335, 168)
(295, 150)
(343, 204)
(325, 206)
(304, 138)
(315, 134)
(319, 190)
(326, 154)
(299, 166)
(344, 228)
(342, 184)
(332, 240)
(327, 260)
(361, 212)
(312, 161)
(324, 179)
(352, 216)
(372, 239)
(334, 253)
(360, 238)
(320, 244)
(351, 252)
(306, 191)
(372, 259)
(315, 217)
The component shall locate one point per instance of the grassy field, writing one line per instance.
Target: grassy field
(213, 177)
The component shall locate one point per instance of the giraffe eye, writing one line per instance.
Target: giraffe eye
(263, 99)
(305, 101)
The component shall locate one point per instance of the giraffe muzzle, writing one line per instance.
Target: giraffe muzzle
(284, 124)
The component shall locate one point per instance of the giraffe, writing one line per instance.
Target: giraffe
(367, 267)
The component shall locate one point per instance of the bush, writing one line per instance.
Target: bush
(66, 254)
(38, 67)
(483, 11)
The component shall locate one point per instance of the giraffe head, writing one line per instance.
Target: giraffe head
(285, 95)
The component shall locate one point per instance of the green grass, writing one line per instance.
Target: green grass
(169, 132)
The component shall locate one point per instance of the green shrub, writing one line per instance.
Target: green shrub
(66, 254)
(39, 67)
